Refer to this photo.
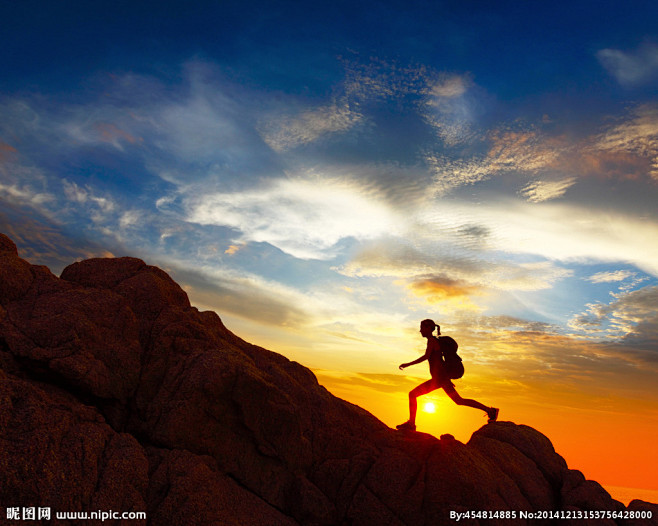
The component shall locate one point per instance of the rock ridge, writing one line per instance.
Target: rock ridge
(117, 394)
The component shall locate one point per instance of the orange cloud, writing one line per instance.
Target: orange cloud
(607, 164)
(232, 249)
(442, 287)
(446, 291)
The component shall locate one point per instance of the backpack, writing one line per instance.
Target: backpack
(453, 363)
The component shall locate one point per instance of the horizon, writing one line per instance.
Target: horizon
(326, 177)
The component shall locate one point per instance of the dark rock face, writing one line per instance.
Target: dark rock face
(116, 394)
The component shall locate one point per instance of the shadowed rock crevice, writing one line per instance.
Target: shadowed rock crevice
(116, 393)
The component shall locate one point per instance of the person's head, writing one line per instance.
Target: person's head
(427, 327)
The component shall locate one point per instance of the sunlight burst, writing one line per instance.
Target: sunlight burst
(429, 407)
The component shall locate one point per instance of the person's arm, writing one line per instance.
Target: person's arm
(418, 360)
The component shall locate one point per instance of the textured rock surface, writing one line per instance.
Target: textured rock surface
(116, 394)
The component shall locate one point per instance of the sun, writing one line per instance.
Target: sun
(429, 407)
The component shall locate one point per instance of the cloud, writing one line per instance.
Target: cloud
(282, 133)
(631, 317)
(611, 276)
(450, 173)
(525, 152)
(246, 296)
(433, 274)
(634, 308)
(26, 185)
(562, 232)
(304, 218)
(382, 80)
(101, 210)
(524, 247)
(209, 129)
(450, 87)
(87, 130)
(539, 191)
(636, 135)
(355, 100)
(634, 68)
(447, 294)
(233, 249)
(448, 109)
(626, 149)
(447, 104)
(504, 324)
(199, 130)
(130, 219)
(42, 241)
(24, 194)
(442, 287)
(78, 194)
(591, 161)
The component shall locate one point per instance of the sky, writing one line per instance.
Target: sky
(326, 175)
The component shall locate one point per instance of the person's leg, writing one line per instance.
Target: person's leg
(422, 389)
(492, 412)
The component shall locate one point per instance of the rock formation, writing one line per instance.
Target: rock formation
(117, 394)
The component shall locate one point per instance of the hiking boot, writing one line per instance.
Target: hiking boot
(492, 413)
(407, 426)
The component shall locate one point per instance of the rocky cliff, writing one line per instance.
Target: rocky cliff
(117, 394)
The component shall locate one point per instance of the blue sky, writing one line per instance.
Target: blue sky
(326, 175)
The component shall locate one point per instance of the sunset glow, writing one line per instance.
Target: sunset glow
(326, 176)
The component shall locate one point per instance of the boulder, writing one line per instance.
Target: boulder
(58, 453)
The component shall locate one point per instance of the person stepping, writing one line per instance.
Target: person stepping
(441, 375)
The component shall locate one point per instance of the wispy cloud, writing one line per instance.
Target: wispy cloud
(434, 273)
(44, 242)
(24, 184)
(637, 135)
(611, 276)
(282, 132)
(571, 233)
(448, 110)
(454, 173)
(377, 79)
(245, 295)
(304, 218)
(100, 206)
(625, 149)
(538, 191)
(524, 152)
(91, 131)
(631, 68)
(549, 234)
(631, 316)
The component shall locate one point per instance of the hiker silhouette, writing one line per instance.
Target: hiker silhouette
(441, 378)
